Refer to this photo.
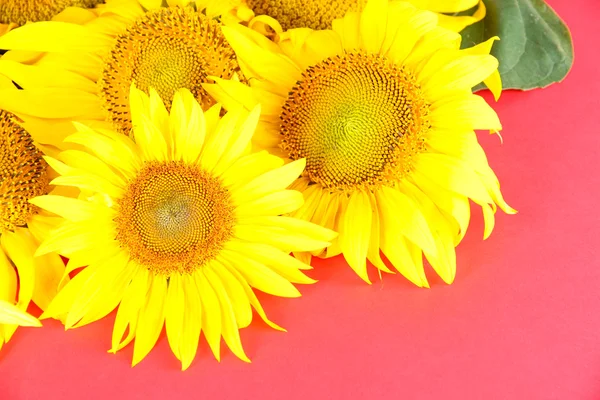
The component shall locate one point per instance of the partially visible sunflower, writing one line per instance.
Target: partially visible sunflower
(272, 17)
(382, 110)
(23, 278)
(14, 13)
(177, 228)
(81, 68)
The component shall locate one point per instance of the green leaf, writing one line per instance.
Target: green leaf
(535, 47)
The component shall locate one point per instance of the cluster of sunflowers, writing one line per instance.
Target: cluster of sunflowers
(168, 158)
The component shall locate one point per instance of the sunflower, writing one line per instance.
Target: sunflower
(177, 227)
(382, 110)
(14, 13)
(272, 17)
(23, 175)
(92, 57)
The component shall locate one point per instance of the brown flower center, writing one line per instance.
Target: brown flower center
(168, 49)
(174, 217)
(23, 173)
(358, 119)
(314, 14)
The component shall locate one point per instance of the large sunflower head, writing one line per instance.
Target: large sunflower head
(90, 61)
(23, 175)
(177, 227)
(382, 110)
(272, 17)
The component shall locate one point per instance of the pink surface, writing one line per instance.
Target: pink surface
(521, 321)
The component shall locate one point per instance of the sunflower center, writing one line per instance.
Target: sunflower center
(22, 11)
(174, 217)
(314, 14)
(23, 174)
(358, 119)
(167, 49)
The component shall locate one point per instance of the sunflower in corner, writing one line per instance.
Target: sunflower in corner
(23, 278)
(382, 109)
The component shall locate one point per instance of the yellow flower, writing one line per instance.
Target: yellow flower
(381, 108)
(17, 12)
(93, 56)
(23, 175)
(177, 228)
(272, 17)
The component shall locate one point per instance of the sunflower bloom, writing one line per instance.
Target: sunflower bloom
(274, 17)
(23, 175)
(90, 59)
(177, 228)
(382, 110)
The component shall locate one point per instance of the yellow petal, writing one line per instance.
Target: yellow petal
(239, 141)
(151, 319)
(447, 71)
(308, 47)
(97, 291)
(20, 246)
(30, 76)
(348, 30)
(118, 152)
(373, 21)
(75, 210)
(237, 294)
(252, 297)
(11, 314)
(52, 103)
(8, 279)
(407, 26)
(192, 321)
(187, 125)
(57, 37)
(174, 312)
(211, 314)
(292, 226)
(355, 232)
(260, 63)
(405, 257)
(465, 112)
(248, 167)
(49, 269)
(259, 276)
(129, 309)
(451, 174)
(374, 241)
(230, 328)
(216, 144)
(282, 263)
(401, 214)
(269, 182)
(277, 203)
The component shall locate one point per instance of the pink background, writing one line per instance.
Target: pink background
(521, 321)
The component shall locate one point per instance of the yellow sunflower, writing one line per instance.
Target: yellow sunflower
(272, 17)
(14, 13)
(81, 67)
(177, 227)
(23, 175)
(381, 108)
